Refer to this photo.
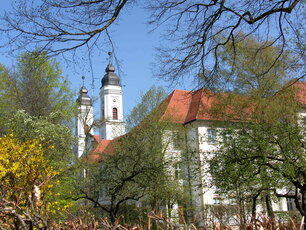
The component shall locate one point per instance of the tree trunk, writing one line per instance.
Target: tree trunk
(269, 207)
(303, 192)
(254, 210)
(254, 203)
(112, 216)
(242, 214)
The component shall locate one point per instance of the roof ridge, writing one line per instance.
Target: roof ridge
(182, 90)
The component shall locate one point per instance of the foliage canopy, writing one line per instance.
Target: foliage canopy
(37, 87)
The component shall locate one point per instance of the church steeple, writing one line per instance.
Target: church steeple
(84, 120)
(83, 98)
(110, 78)
(111, 104)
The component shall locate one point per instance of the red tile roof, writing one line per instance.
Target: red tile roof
(183, 106)
(96, 155)
(102, 146)
(186, 106)
(96, 138)
(105, 147)
(176, 106)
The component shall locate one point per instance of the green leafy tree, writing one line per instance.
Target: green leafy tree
(138, 167)
(26, 127)
(37, 104)
(264, 154)
(149, 102)
(261, 99)
(56, 141)
(4, 99)
(254, 68)
(37, 87)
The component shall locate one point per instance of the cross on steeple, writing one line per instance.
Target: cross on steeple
(83, 78)
(110, 57)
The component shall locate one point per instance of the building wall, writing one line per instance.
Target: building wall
(202, 193)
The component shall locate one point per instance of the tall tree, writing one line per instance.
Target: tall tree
(149, 102)
(135, 166)
(264, 154)
(264, 102)
(36, 103)
(37, 87)
(197, 30)
(253, 68)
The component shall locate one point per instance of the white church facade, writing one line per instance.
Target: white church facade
(111, 123)
(186, 108)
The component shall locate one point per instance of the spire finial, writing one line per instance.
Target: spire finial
(110, 57)
(83, 78)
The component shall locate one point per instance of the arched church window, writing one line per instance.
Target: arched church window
(115, 114)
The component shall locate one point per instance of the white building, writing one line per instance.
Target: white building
(191, 109)
(111, 105)
(110, 124)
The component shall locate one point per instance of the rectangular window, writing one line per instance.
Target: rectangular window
(211, 136)
(290, 204)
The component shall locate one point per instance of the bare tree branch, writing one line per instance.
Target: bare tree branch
(58, 26)
(198, 31)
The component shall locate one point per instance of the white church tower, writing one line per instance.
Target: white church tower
(111, 105)
(84, 120)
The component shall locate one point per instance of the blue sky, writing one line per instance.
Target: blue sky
(134, 47)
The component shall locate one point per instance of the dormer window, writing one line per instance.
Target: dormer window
(115, 114)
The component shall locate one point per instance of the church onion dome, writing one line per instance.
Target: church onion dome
(110, 78)
(83, 98)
